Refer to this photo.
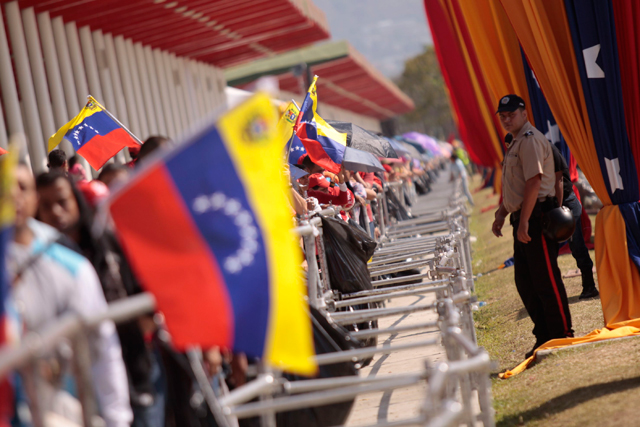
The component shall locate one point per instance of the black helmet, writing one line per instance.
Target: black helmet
(558, 224)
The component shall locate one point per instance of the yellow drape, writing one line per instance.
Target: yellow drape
(617, 273)
(617, 330)
(499, 51)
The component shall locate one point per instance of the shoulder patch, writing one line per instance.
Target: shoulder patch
(528, 133)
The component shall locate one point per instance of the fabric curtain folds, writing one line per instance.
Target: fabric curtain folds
(585, 56)
(476, 129)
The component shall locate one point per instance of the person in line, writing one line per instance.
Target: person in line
(458, 170)
(528, 191)
(327, 192)
(63, 206)
(50, 281)
(113, 174)
(149, 146)
(57, 160)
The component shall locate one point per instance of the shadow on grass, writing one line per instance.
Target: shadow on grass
(570, 400)
(522, 313)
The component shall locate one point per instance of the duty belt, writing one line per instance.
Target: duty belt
(543, 204)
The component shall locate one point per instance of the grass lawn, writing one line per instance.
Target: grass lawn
(591, 385)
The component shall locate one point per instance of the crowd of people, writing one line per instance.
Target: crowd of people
(59, 265)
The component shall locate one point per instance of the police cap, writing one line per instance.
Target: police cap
(510, 103)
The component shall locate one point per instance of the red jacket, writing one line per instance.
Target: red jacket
(335, 196)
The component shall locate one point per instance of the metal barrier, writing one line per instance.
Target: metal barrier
(437, 243)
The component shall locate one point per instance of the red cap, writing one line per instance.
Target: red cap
(301, 158)
(93, 191)
(134, 151)
(318, 180)
(387, 168)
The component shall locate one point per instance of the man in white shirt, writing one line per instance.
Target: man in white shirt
(459, 171)
(51, 281)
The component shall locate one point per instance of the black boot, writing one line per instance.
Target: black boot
(588, 286)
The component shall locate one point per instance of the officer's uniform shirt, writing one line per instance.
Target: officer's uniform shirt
(528, 155)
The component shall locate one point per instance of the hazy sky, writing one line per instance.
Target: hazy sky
(386, 32)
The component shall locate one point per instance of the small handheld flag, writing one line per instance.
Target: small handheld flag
(94, 134)
(207, 230)
(287, 122)
(325, 145)
(296, 150)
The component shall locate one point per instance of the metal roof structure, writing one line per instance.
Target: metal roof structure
(219, 32)
(347, 79)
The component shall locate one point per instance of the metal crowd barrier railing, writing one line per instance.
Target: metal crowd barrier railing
(437, 241)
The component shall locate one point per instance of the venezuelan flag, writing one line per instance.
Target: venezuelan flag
(207, 230)
(94, 135)
(7, 215)
(325, 145)
(287, 122)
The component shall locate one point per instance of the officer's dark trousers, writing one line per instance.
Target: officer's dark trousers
(576, 243)
(539, 281)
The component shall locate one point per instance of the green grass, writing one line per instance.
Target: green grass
(591, 385)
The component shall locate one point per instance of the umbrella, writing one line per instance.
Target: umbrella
(424, 140)
(361, 161)
(364, 140)
(400, 149)
(415, 150)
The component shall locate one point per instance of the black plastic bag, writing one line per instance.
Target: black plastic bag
(327, 338)
(347, 249)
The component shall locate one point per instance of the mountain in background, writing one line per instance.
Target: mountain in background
(386, 32)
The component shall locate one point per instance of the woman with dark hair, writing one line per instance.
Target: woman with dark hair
(62, 206)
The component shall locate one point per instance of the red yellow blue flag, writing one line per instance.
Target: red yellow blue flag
(94, 135)
(208, 231)
(325, 145)
(7, 214)
(287, 122)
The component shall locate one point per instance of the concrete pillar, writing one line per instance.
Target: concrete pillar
(137, 91)
(106, 85)
(208, 105)
(66, 72)
(91, 65)
(38, 73)
(8, 86)
(127, 85)
(35, 142)
(190, 96)
(197, 88)
(152, 76)
(171, 85)
(79, 77)
(77, 64)
(180, 93)
(147, 97)
(54, 78)
(163, 86)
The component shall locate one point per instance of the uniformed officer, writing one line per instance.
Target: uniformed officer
(528, 191)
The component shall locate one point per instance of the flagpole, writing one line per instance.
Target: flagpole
(91, 98)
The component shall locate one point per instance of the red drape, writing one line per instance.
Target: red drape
(471, 125)
(627, 17)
